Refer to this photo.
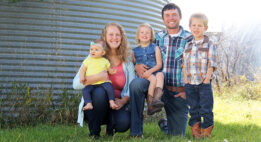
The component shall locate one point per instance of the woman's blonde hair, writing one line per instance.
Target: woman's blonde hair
(124, 49)
(152, 38)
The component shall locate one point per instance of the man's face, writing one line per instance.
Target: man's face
(171, 18)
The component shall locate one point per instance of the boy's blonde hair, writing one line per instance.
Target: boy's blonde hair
(200, 16)
(152, 38)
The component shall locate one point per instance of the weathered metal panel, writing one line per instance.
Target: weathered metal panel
(43, 43)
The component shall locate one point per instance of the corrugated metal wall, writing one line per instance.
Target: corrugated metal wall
(43, 43)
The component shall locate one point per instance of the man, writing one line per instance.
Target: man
(171, 42)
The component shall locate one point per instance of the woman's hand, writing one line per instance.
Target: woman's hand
(119, 103)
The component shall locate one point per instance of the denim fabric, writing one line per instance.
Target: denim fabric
(200, 100)
(145, 55)
(102, 114)
(88, 89)
(138, 92)
(176, 111)
(119, 120)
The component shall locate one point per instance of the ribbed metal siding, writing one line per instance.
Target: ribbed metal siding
(43, 43)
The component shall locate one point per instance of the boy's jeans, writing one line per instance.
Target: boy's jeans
(200, 100)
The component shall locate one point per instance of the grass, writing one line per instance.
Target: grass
(235, 121)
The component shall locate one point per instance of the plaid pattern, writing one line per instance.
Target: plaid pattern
(198, 56)
(172, 53)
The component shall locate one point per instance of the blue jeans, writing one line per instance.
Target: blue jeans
(117, 120)
(107, 86)
(138, 92)
(176, 109)
(200, 100)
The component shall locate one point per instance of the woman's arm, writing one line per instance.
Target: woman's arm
(158, 66)
(102, 76)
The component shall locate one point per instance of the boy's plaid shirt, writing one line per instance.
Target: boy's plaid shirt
(198, 57)
(172, 52)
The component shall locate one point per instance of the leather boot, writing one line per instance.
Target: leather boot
(206, 133)
(196, 131)
(151, 110)
(156, 102)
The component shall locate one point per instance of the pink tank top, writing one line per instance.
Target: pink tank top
(118, 80)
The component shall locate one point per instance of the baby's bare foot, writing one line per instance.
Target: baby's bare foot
(113, 105)
(88, 107)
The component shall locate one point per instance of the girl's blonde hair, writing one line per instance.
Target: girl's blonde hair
(152, 38)
(124, 49)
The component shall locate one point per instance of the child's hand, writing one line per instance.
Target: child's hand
(146, 74)
(82, 80)
(206, 81)
(112, 71)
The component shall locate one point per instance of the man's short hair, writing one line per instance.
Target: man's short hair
(170, 6)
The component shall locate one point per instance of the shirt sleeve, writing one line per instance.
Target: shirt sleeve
(85, 62)
(107, 63)
(212, 55)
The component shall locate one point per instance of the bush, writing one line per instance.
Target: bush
(26, 106)
(242, 90)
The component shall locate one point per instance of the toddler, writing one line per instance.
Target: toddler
(92, 65)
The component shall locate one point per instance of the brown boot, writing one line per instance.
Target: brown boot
(151, 110)
(196, 130)
(206, 133)
(156, 102)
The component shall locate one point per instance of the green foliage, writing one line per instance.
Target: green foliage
(27, 106)
(242, 90)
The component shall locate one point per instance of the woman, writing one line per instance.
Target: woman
(118, 53)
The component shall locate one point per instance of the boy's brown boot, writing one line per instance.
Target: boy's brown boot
(151, 110)
(156, 102)
(196, 131)
(206, 133)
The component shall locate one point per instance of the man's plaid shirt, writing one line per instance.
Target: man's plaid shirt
(172, 52)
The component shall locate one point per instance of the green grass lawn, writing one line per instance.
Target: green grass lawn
(234, 121)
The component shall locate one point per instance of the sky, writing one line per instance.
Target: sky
(222, 13)
(240, 16)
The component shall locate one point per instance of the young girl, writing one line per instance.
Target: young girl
(148, 53)
(92, 65)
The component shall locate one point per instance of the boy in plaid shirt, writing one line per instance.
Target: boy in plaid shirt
(199, 63)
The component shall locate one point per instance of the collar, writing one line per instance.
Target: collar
(183, 34)
(202, 41)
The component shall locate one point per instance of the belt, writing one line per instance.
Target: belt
(175, 89)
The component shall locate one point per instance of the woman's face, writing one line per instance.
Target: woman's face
(113, 37)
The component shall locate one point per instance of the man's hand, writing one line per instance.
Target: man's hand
(140, 69)
(146, 74)
(181, 94)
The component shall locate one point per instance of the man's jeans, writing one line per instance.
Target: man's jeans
(176, 109)
(138, 92)
(200, 100)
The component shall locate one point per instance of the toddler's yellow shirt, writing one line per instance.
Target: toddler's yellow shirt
(95, 66)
